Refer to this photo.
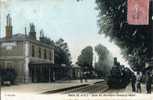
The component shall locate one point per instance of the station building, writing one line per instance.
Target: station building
(21, 51)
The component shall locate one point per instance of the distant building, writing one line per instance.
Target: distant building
(76, 71)
(19, 51)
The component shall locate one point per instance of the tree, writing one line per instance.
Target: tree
(85, 58)
(62, 53)
(133, 40)
(105, 61)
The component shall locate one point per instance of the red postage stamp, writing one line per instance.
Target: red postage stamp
(138, 12)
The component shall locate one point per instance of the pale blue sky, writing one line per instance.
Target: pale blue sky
(75, 22)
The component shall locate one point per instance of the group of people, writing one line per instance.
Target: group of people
(136, 82)
(83, 75)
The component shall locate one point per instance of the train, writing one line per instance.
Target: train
(119, 77)
(7, 76)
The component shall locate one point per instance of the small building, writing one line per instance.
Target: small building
(19, 51)
(76, 71)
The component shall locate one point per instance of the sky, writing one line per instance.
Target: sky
(75, 22)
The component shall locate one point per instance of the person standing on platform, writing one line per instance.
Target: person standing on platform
(133, 82)
(138, 82)
(148, 82)
(81, 76)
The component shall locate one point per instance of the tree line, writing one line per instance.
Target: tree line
(61, 51)
(101, 67)
(136, 42)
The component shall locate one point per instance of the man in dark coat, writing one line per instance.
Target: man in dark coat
(148, 82)
(138, 81)
(133, 82)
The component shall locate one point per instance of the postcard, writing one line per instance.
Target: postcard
(76, 49)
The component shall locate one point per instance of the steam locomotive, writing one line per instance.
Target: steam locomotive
(119, 77)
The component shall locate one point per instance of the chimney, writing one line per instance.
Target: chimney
(32, 33)
(8, 28)
(115, 60)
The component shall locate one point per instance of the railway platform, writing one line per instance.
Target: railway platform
(39, 88)
(45, 91)
(71, 86)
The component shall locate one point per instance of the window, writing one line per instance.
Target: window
(39, 52)
(45, 54)
(50, 55)
(33, 51)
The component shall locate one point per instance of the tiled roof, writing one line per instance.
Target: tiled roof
(17, 36)
(22, 37)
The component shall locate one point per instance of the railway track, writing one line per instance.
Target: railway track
(93, 88)
(98, 87)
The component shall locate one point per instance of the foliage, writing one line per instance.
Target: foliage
(61, 51)
(135, 41)
(105, 61)
(86, 57)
